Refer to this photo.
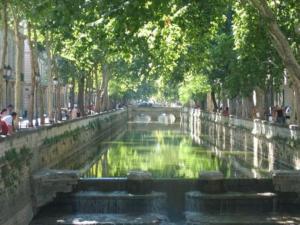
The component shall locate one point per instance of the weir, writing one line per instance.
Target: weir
(245, 192)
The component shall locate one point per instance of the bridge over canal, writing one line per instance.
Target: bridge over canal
(154, 112)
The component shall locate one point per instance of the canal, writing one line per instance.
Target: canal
(176, 151)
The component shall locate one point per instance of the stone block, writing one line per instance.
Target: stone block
(139, 182)
(286, 181)
(47, 183)
(211, 182)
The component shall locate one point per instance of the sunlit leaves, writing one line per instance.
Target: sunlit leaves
(193, 86)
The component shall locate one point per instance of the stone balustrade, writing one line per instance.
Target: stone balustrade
(256, 126)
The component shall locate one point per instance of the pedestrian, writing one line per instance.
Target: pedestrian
(9, 120)
(74, 113)
(274, 113)
(3, 125)
(10, 109)
(279, 115)
(288, 113)
(226, 112)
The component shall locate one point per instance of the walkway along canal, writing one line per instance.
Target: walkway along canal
(35, 170)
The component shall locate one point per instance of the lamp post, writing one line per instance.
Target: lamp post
(37, 79)
(7, 76)
(55, 83)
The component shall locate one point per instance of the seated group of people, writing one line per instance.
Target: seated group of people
(7, 119)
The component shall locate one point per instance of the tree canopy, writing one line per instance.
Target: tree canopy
(177, 49)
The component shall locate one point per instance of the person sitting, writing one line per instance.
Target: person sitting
(9, 120)
(3, 113)
(3, 125)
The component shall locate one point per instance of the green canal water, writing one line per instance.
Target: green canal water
(168, 154)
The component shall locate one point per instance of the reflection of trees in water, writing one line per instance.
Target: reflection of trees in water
(250, 154)
(104, 164)
(164, 153)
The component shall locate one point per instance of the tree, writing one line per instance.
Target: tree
(4, 48)
(282, 46)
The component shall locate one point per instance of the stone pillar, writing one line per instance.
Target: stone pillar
(139, 182)
(211, 182)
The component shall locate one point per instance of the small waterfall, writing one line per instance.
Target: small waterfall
(118, 202)
(230, 202)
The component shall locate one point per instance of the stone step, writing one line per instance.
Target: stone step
(230, 202)
(102, 219)
(242, 219)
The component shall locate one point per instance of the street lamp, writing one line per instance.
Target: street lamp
(55, 83)
(37, 79)
(7, 76)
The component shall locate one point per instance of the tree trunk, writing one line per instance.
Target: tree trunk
(296, 106)
(232, 106)
(247, 107)
(98, 90)
(4, 53)
(239, 108)
(50, 79)
(57, 108)
(104, 101)
(39, 98)
(81, 94)
(18, 65)
(72, 93)
(260, 103)
(280, 42)
(58, 103)
(213, 98)
(32, 91)
(278, 38)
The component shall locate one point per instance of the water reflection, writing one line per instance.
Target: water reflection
(170, 151)
(166, 118)
(164, 153)
(142, 118)
(261, 156)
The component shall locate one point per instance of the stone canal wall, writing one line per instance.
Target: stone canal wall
(26, 153)
(257, 127)
(264, 146)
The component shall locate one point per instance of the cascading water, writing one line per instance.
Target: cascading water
(118, 202)
(230, 202)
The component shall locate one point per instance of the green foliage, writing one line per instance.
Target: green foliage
(58, 138)
(193, 87)
(153, 46)
(11, 166)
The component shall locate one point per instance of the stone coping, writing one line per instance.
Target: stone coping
(118, 195)
(211, 175)
(139, 175)
(231, 195)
